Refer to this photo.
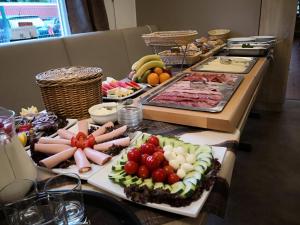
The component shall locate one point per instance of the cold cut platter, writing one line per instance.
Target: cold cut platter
(82, 149)
(196, 91)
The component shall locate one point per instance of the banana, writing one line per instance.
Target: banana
(143, 78)
(147, 66)
(143, 60)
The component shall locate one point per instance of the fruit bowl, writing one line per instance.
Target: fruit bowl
(104, 112)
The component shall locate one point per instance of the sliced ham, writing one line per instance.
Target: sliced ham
(97, 157)
(111, 135)
(65, 134)
(82, 162)
(102, 129)
(83, 126)
(50, 148)
(124, 142)
(45, 140)
(54, 160)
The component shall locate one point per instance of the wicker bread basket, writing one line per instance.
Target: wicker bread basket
(170, 38)
(71, 91)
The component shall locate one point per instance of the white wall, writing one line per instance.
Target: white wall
(120, 13)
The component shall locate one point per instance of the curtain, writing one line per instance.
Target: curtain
(86, 15)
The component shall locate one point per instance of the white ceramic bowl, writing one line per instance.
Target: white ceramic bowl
(103, 118)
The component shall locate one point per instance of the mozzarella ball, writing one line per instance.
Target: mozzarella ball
(168, 155)
(179, 150)
(190, 158)
(174, 163)
(180, 159)
(187, 167)
(181, 173)
(168, 148)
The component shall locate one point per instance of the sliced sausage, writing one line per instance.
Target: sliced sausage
(124, 142)
(97, 157)
(83, 126)
(46, 140)
(102, 129)
(54, 160)
(82, 162)
(50, 148)
(111, 135)
(65, 134)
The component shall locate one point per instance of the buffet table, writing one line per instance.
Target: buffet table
(216, 202)
(232, 119)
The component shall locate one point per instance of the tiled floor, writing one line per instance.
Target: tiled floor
(293, 86)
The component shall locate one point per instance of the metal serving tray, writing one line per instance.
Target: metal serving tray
(225, 89)
(251, 62)
(255, 51)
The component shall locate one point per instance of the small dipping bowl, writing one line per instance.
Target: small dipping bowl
(104, 112)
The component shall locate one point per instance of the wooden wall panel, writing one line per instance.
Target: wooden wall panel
(277, 18)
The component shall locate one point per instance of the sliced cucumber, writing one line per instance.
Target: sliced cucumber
(194, 174)
(117, 173)
(177, 188)
(188, 190)
(169, 141)
(199, 169)
(158, 185)
(204, 148)
(129, 180)
(204, 155)
(147, 182)
(117, 167)
(190, 180)
(145, 137)
(161, 140)
(167, 187)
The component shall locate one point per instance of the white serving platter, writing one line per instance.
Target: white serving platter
(102, 181)
(143, 87)
(73, 168)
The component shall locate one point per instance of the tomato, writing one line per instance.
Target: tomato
(168, 169)
(158, 149)
(134, 155)
(152, 163)
(73, 142)
(131, 167)
(165, 163)
(147, 148)
(159, 175)
(81, 135)
(144, 158)
(143, 172)
(153, 140)
(173, 178)
(159, 156)
(89, 141)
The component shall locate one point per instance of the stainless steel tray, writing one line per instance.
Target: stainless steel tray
(250, 64)
(225, 89)
(255, 51)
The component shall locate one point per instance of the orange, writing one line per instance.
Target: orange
(153, 79)
(158, 70)
(163, 77)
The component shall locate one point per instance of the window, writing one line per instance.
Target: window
(29, 19)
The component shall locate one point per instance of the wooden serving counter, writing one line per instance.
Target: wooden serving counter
(228, 119)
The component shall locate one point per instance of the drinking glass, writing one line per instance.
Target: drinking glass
(39, 209)
(21, 203)
(67, 187)
(130, 113)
